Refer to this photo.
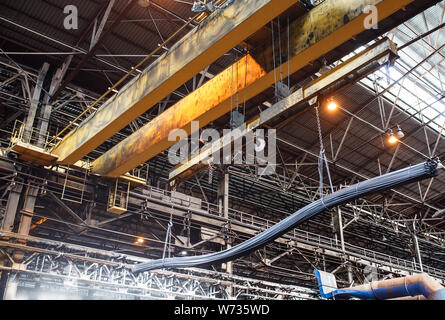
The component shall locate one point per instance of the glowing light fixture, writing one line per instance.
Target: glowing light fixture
(144, 3)
(393, 139)
(140, 240)
(332, 105)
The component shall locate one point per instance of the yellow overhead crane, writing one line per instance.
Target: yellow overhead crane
(314, 35)
(317, 33)
(216, 35)
(383, 52)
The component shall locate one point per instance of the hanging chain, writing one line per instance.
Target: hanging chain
(322, 157)
(237, 81)
(231, 100)
(274, 60)
(279, 50)
(211, 169)
(288, 53)
(168, 236)
(245, 86)
(320, 136)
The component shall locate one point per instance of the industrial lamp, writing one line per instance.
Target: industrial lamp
(392, 138)
(400, 133)
(139, 240)
(332, 105)
(144, 3)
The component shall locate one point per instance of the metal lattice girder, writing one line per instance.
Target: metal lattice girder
(222, 31)
(100, 270)
(316, 34)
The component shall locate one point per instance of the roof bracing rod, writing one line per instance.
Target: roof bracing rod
(97, 43)
(216, 35)
(316, 34)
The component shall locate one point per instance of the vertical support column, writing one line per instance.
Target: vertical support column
(350, 275)
(417, 249)
(3, 281)
(223, 202)
(10, 291)
(26, 218)
(416, 244)
(28, 209)
(34, 103)
(46, 110)
(340, 228)
(11, 206)
(8, 288)
(337, 226)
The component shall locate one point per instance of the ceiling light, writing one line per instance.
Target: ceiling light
(184, 253)
(332, 105)
(400, 133)
(393, 139)
(140, 240)
(144, 3)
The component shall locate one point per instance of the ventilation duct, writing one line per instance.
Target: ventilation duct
(411, 286)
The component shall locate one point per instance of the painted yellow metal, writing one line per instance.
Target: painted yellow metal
(320, 31)
(216, 35)
(342, 76)
(205, 104)
(29, 152)
(24, 143)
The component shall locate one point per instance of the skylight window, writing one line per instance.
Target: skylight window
(420, 95)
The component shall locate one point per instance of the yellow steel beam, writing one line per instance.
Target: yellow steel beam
(320, 31)
(219, 33)
(342, 76)
(205, 104)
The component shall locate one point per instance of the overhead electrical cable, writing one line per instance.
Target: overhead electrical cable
(378, 184)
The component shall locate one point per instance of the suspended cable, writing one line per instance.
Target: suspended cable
(168, 235)
(390, 180)
(322, 158)
(279, 49)
(274, 62)
(237, 81)
(231, 98)
(288, 53)
(245, 87)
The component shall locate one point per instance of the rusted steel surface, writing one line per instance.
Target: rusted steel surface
(216, 35)
(205, 104)
(316, 34)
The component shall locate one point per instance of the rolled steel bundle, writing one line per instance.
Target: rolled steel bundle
(404, 176)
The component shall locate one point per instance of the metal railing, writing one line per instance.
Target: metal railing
(32, 136)
(140, 172)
